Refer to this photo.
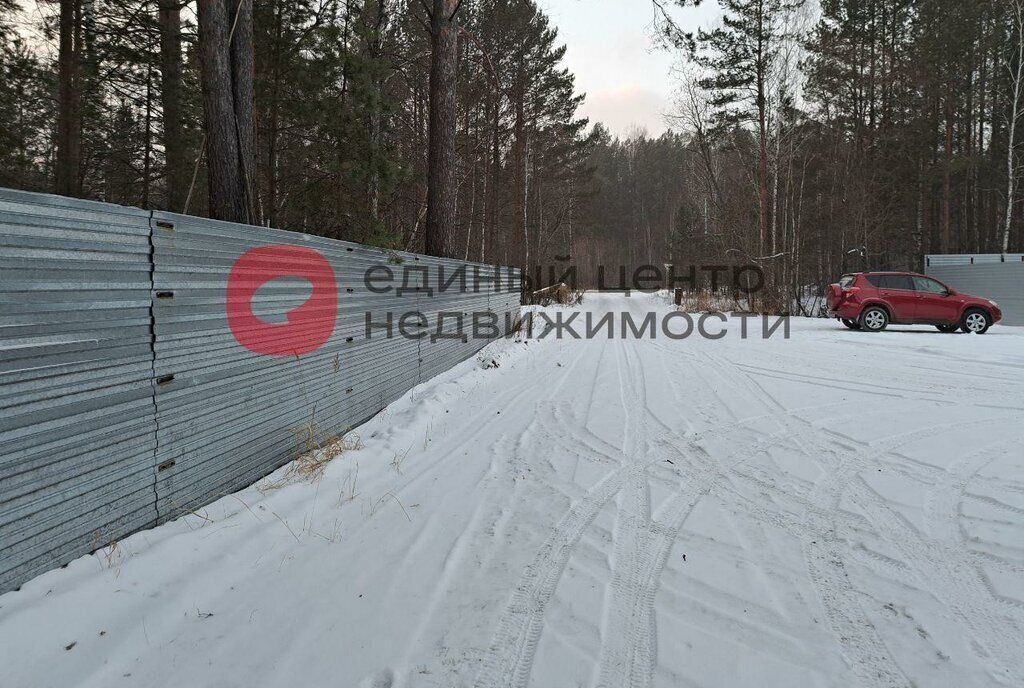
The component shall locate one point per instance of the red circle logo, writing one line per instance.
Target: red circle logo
(309, 326)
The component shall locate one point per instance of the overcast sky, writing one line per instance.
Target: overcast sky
(610, 50)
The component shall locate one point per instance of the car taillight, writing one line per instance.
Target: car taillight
(850, 293)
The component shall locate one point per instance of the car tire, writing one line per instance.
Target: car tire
(975, 321)
(852, 324)
(874, 319)
(947, 328)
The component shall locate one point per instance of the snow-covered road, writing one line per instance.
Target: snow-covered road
(831, 509)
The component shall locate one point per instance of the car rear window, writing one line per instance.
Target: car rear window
(847, 280)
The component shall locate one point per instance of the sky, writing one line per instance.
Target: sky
(628, 81)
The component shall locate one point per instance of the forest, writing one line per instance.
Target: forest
(808, 138)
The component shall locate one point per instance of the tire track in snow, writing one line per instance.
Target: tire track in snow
(869, 656)
(506, 467)
(864, 649)
(634, 666)
(936, 566)
(631, 662)
(628, 633)
(629, 659)
(951, 577)
(942, 504)
(944, 567)
(509, 658)
(626, 639)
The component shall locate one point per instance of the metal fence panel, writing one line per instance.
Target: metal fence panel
(997, 277)
(228, 416)
(972, 258)
(77, 420)
(126, 398)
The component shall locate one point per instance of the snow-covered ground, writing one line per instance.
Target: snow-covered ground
(834, 509)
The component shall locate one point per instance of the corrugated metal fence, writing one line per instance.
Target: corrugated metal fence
(135, 383)
(77, 417)
(995, 276)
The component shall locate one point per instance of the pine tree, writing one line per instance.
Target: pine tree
(226, 50)
(69, 127)
(176, 170)
(26, 109)
(740, 57)
(444, 33)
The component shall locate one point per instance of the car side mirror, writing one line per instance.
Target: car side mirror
(950, 292)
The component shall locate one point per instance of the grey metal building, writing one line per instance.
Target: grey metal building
(996, 276)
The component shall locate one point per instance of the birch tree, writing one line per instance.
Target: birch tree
(1016, 69)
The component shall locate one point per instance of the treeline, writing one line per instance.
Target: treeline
(865, 135)
(807, 138)
(127, 101)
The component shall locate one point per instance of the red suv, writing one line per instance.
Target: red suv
(871, 300)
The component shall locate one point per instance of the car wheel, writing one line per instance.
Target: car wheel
(947, 328)
(852, 324)
(976, 321)
(874, 319)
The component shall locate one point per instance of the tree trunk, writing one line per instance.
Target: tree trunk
(1016, 85)
(176, 163)
(472, 193)
(947, 174)
(273, 126)
(762, 181)
(440, 227)
(227, 195)
(515, 257)
(375, 115)
(243, 71)
(147, 163)
(69, 124)
(226, 58)
(762, 132)
(486, 254)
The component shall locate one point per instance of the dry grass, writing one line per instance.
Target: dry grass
(764, 302)
(315, 450)
(706, 301)
(399, 459)
(771, 302)
(375, 506)
(575, 297)
(349, 488)
(110, 554)
(311, 464)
